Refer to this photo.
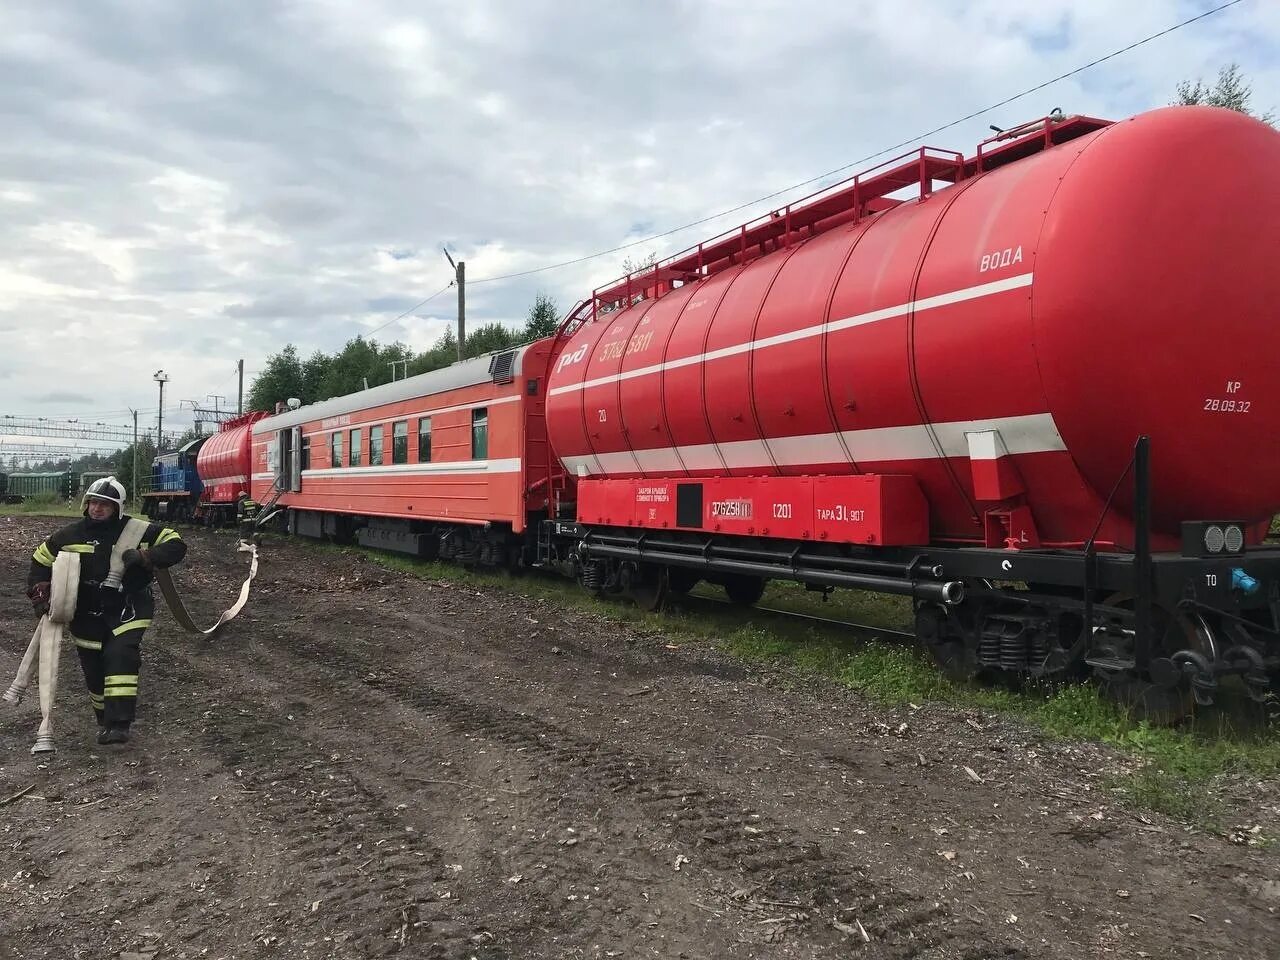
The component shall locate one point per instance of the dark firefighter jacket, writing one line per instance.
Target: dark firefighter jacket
(99, 610)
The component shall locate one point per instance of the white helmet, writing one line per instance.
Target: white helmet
(108, 488)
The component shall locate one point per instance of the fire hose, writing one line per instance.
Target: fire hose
(41, 656)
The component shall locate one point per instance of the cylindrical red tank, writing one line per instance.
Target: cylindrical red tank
(1057, 307)
(224, 461)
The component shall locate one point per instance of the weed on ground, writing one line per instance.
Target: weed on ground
(41, 504)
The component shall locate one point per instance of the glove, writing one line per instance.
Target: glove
(39, 597)
(136, 558)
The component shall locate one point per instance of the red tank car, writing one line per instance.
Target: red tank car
(1011, 334)
(224, 467)
(1064, 344)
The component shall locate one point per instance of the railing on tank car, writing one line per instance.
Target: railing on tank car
(848, 201)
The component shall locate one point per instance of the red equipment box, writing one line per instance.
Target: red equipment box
(879, 509)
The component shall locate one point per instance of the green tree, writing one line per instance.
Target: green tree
(124, 466)
(441, 354)
(280, 379)
(490, 337)
(359, 361)
(314, 372)
(1231, 90)
(543, 319)
(350, 366)
(332, 375)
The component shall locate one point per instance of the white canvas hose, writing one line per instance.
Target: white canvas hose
(179, 610)
(46, 644)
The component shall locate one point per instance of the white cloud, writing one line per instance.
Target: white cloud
(183, 184)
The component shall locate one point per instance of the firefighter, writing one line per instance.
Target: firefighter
(113, 608)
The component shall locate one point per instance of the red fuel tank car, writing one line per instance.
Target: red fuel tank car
(1002, 341)
(224, 467)
(1051, 364)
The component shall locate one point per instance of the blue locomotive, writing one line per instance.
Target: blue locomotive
(173, 491)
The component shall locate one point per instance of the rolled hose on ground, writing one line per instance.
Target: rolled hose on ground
(46, 642)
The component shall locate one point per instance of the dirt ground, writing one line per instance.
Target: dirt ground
(369, 764)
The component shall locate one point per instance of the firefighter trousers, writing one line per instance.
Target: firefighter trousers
(111, 660)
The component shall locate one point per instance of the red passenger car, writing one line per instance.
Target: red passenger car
(450, 463)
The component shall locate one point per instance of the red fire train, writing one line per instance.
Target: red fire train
(1037, 395)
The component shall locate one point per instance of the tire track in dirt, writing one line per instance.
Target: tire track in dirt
(551, 863)
(741, 849)
(385, 887)
(746, 858)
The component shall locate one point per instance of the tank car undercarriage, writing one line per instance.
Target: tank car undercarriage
(985, 613)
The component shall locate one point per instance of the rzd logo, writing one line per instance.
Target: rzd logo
(569, 359)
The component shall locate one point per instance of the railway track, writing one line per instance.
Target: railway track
(869, 631)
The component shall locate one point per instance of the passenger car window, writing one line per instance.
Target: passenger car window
(480, 433)
(424, 440)
(400, 442)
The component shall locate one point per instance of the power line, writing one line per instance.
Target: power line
(53, 451)
(420, 303)
(71, 429)
(804, 183)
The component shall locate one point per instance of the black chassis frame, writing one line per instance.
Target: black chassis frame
(1154, 585)
(1175, 580)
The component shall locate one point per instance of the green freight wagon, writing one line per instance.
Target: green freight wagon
(27, 485)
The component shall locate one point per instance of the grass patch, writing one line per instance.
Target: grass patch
(41, 504)
(1177, 770)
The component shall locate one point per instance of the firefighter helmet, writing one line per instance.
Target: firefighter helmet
(108, 488)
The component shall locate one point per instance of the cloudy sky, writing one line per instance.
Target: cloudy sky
(186, 183)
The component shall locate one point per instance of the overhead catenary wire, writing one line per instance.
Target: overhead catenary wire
(416, 306)
(853, 163)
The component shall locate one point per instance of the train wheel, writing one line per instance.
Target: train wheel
(944, 633)
(744, 590)
(1156, 703)
(647, 585)
(680, 580)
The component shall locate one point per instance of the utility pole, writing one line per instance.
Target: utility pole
(460, 277)
(161, 378)
(462, 310)
(199, 424)
(240, 391)
(137, 485)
